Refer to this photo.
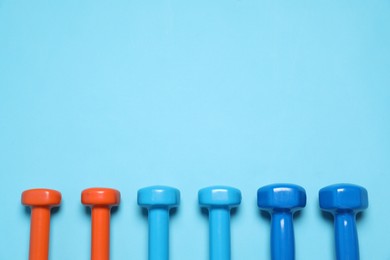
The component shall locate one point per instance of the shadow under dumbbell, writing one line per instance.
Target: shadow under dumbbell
(266, 215)
(88, 211)
(115, 209)
(327, 216)
(205, 212)
(55, 211)
(172, 212)
(360, 215)
(27, 211)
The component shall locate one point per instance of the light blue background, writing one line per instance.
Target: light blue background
(127, 94)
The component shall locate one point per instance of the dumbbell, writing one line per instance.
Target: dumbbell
(282, 201)
(344, 201)
(101, 200)
(158, 200)
(41, 201)
(219, 200)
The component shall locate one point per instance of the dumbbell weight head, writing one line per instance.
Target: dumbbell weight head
(158, 196)
(219, 196)
(100, 197)
(281, 196)
(343, 197)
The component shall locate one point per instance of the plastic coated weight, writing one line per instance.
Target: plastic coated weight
(219, 200)
(158, 200)
(281, 201)
(344, 201)
(101, 200)
(41, 201)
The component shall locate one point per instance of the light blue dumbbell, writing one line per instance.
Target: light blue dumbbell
(281, 201)
(158, 200)
(219, 200)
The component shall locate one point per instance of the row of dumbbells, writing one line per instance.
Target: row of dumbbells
(344, 201)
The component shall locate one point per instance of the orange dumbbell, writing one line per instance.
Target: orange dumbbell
(41, 201)
(100, 200)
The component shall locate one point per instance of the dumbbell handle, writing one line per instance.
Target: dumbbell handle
(347, 245)
(39, 233)
(219, 226)
(100, 248)
(282, 236)
(158, 234)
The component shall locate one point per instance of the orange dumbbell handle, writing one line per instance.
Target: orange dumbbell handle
(39, 233)
(100, 247)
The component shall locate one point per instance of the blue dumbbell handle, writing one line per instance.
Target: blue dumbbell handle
(347, 245)
(282, 236)
(158, 234)
(219, 222)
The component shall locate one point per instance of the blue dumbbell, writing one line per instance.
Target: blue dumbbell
(344, 201)
(281, 201)
(158, 200)
(219, 200)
